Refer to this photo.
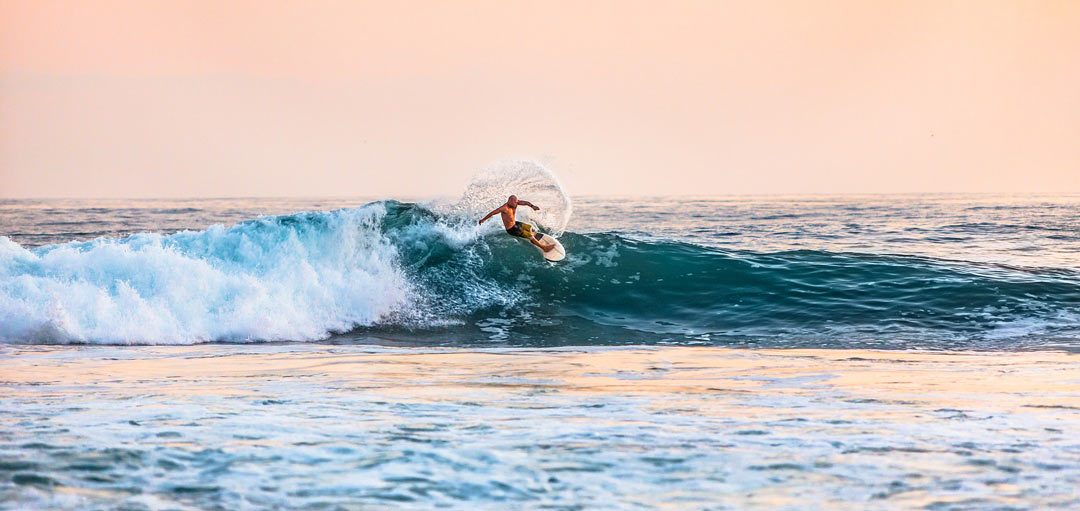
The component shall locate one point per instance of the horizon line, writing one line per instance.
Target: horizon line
(583, 195)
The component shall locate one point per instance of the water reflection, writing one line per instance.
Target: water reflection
(295, 426)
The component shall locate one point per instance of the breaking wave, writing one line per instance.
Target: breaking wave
(426, 274)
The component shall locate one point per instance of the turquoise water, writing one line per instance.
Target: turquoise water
(893, 272)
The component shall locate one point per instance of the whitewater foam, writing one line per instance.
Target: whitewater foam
(296, 277)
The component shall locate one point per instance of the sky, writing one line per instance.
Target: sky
(148, 98)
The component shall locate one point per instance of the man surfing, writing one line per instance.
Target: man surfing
(518, 229)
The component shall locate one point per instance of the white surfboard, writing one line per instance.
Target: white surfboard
(555, 254)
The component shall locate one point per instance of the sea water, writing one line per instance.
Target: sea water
(897, 272)
(369, 353)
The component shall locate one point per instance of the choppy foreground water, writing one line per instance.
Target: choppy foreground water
(347, 427)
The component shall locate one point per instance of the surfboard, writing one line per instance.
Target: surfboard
(555, 254)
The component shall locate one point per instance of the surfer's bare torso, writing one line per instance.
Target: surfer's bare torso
(508, 212)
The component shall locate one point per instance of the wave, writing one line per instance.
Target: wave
(408, 273)
(275, 278)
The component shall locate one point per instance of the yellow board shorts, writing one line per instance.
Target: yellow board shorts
(521, 230)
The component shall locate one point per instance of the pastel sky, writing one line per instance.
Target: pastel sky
(145, 98)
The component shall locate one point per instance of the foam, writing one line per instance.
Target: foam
(297, 277)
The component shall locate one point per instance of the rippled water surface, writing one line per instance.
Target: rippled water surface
(315, 427)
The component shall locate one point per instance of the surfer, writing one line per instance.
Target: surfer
(515, 228)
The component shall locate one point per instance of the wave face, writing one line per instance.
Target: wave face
(404, 273)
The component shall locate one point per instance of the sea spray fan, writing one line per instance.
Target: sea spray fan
(294, 277)
(526, 179)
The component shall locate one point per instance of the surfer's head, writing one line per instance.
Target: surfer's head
(512, 201)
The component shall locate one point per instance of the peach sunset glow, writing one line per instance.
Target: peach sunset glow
(177, 99)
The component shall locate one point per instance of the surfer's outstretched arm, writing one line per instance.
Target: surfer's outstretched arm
(527, 203)
(489, 215)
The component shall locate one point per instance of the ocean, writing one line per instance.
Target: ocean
(743, 352)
